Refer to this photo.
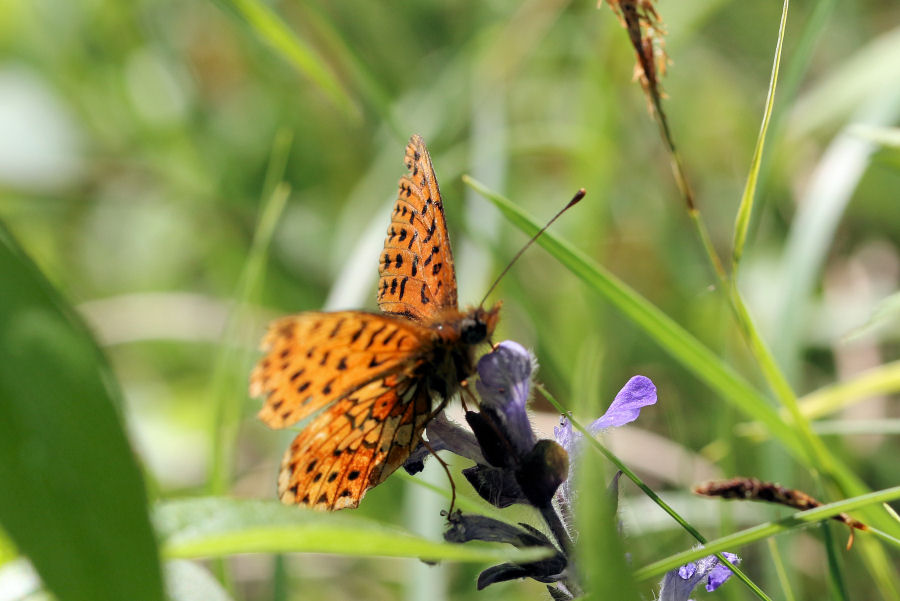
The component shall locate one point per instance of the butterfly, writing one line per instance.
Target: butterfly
(372, 381)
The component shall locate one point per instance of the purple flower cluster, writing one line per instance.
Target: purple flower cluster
(678, 585)
(513, 466)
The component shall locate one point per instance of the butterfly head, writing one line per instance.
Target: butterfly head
(478, 324)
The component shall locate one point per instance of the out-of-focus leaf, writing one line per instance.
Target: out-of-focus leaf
(886, 314)
(885, 136)
(71, 498)
(821, 207)
(272, 29)
(18, 580)
(867, 73)
(214, 527)
(187, 581)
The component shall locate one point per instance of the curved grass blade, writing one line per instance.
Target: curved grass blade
(756, 533)
(216, 527)
(620, 465)
(72, 498)
(272, 29)
(745, 210)
(677, 341)
(229, 381)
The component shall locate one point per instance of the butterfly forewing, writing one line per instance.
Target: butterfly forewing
(314, 359)
(416, 266)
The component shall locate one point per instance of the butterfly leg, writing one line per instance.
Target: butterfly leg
(449, 476)
(464, 390)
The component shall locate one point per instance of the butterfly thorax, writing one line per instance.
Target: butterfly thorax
(456, 335)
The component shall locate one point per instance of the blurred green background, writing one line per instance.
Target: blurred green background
(135, 139)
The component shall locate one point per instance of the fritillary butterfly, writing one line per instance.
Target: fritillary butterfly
(375, 379)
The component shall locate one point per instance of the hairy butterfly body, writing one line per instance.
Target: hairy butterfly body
(372, 381)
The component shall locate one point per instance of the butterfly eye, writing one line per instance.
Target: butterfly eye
(473, 330)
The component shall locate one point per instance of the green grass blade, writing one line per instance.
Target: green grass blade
(651, 494)
(360, 77)
(216, 527)
(680, 344)
(756, 533)
(229, 381)
(677, 341)
(72, 498)
(745, 210)
(836, 583)
(884, 379)
(272, 29)
(780, 571)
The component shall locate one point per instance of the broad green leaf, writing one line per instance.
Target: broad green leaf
(216, 526)
(72, 498)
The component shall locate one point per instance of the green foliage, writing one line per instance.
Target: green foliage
(216, 527)
(72, 497)
(145, 188)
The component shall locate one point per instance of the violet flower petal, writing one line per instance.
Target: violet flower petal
(638, 392)
(564, 434)
(719, 574)
(504, 385)
(453, 437)
(444, 435)
(678, 584)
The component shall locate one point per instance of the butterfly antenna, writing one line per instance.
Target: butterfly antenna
(578, 196)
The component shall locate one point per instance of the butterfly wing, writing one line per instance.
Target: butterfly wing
(314, 359)
(355, 444)
(417, 278)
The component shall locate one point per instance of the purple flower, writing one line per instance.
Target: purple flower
(444, 435)
(637, 393)
(516, 468)
(465, 528)
(504, 385)
(678, 584)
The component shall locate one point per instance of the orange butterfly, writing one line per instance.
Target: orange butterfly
(378, 378)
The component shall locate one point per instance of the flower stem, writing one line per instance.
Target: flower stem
(556, 527)
(565, 543)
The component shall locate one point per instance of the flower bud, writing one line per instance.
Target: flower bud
(542, 470)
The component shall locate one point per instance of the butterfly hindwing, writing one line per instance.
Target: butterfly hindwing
(314, 359)
(417, 277)
(355, 444)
